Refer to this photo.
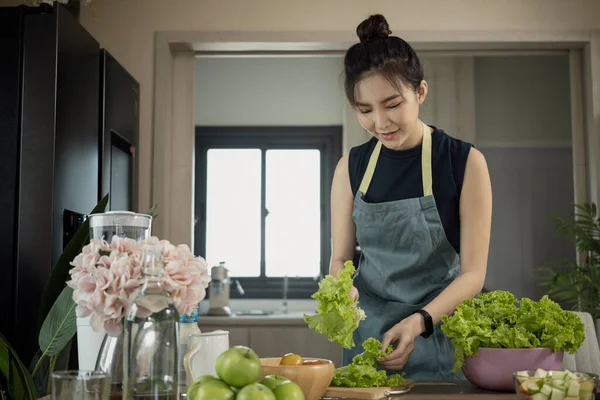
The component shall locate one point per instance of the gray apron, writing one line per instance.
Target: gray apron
(406, 262)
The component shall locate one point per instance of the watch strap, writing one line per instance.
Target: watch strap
(428, 323)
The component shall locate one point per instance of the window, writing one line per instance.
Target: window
(262, 205)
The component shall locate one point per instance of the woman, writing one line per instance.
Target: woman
(414, 198)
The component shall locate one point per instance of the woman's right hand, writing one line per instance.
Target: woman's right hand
(354, 294)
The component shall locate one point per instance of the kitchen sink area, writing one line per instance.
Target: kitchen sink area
(258, 313)
(272, 314)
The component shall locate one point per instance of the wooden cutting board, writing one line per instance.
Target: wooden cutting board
(363, 393)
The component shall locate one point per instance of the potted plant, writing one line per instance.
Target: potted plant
(578, 285)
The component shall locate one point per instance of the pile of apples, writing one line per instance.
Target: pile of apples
(238, 370)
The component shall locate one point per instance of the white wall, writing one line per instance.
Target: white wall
(235, 91)
(288, 91)
(128, 30)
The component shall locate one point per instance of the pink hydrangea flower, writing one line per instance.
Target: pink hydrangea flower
(106, 276)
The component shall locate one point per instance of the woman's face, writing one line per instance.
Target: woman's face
(390, 115)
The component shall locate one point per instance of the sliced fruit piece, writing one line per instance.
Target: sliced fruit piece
(573, 389)
(558, 374)
(532, 387)
(557, 382)
(546, 389)
(540, 373)
(557, 394)
(539, 396)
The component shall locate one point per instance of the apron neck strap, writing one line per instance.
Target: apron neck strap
(425, 165)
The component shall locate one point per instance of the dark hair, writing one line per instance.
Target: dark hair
(378, 52)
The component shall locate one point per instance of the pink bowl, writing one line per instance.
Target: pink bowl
(493, 369)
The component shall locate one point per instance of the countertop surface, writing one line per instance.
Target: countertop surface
(445, 391)
(292, 318)
(454, 390)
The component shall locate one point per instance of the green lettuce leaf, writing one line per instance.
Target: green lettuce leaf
(337, 316)
(363, 372)
(498, 320)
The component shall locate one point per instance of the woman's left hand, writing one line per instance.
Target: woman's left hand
(404, 333)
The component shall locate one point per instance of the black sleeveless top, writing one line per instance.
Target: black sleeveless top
(398, 176)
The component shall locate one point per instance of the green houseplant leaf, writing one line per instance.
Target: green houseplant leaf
(60, 273)
(19, 382)
(58, 362)
(574, 284)
(60, 325)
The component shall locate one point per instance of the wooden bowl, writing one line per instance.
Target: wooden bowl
(314, 379)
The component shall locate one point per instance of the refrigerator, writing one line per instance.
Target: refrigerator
(119, 129)
(68, 130)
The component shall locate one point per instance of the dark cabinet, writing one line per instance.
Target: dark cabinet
(59, 96)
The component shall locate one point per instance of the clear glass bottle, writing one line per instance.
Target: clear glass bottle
(151, 344)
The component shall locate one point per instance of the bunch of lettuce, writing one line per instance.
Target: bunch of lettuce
(363, 371)
(497, 320)
(337, 315)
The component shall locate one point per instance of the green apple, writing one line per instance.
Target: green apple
(255, 391)
(271, 381)
(212, 389)
(238, 366)
(288, 391)
(204, 378)
(199, 381)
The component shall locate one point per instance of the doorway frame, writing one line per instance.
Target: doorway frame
(173, 113)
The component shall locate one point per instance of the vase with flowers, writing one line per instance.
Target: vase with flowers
(107, 275)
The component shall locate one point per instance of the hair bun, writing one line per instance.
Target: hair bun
(374, 27)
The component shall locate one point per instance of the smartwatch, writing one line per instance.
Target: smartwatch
(428, 323)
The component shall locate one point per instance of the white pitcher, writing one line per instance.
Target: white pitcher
(204, 350)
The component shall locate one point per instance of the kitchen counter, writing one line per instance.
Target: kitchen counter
(452, 391)
(444, 391)
(293, 318)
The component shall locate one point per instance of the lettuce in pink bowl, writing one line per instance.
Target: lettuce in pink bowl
(498, 320)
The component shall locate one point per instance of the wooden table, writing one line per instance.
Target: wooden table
(455, 390)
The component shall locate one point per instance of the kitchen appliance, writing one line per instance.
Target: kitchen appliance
(219, 291)
(68, 123)
(119, 130)
(49, 154)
